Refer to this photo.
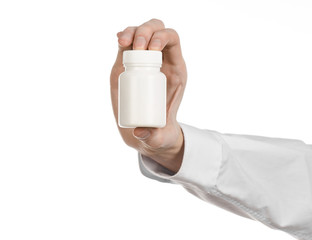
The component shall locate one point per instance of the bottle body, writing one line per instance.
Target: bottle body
(142, 98)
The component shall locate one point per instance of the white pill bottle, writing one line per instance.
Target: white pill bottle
(142, 90)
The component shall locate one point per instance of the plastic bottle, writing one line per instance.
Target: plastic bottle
(142, 90)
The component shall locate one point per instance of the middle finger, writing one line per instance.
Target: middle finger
(144, 33)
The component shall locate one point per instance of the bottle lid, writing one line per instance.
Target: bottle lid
(142, 57)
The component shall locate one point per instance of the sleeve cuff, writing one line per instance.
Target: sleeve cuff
(201, 160)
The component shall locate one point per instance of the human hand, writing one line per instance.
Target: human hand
(163, 145)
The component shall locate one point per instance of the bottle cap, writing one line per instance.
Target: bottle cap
(142, 57)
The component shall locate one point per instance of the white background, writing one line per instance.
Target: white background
(65, 172)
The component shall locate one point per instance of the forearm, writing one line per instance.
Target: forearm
(266, 179)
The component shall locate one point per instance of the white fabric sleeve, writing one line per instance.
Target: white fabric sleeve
(262, 178)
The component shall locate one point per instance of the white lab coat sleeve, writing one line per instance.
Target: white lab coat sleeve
(262, 178)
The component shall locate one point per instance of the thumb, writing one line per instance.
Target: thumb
(141, 133)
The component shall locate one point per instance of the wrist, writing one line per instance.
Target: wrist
(170, 158)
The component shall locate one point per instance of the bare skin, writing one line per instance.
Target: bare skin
(163, 145)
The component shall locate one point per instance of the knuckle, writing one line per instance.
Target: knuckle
(161, 34)
(143, 31)
(129, 29)
(172, 31)
(157, 21)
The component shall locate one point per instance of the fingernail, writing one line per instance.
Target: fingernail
(155, 44)
(140, 42)
(142, 134)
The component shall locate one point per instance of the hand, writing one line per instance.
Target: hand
(163, 145)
